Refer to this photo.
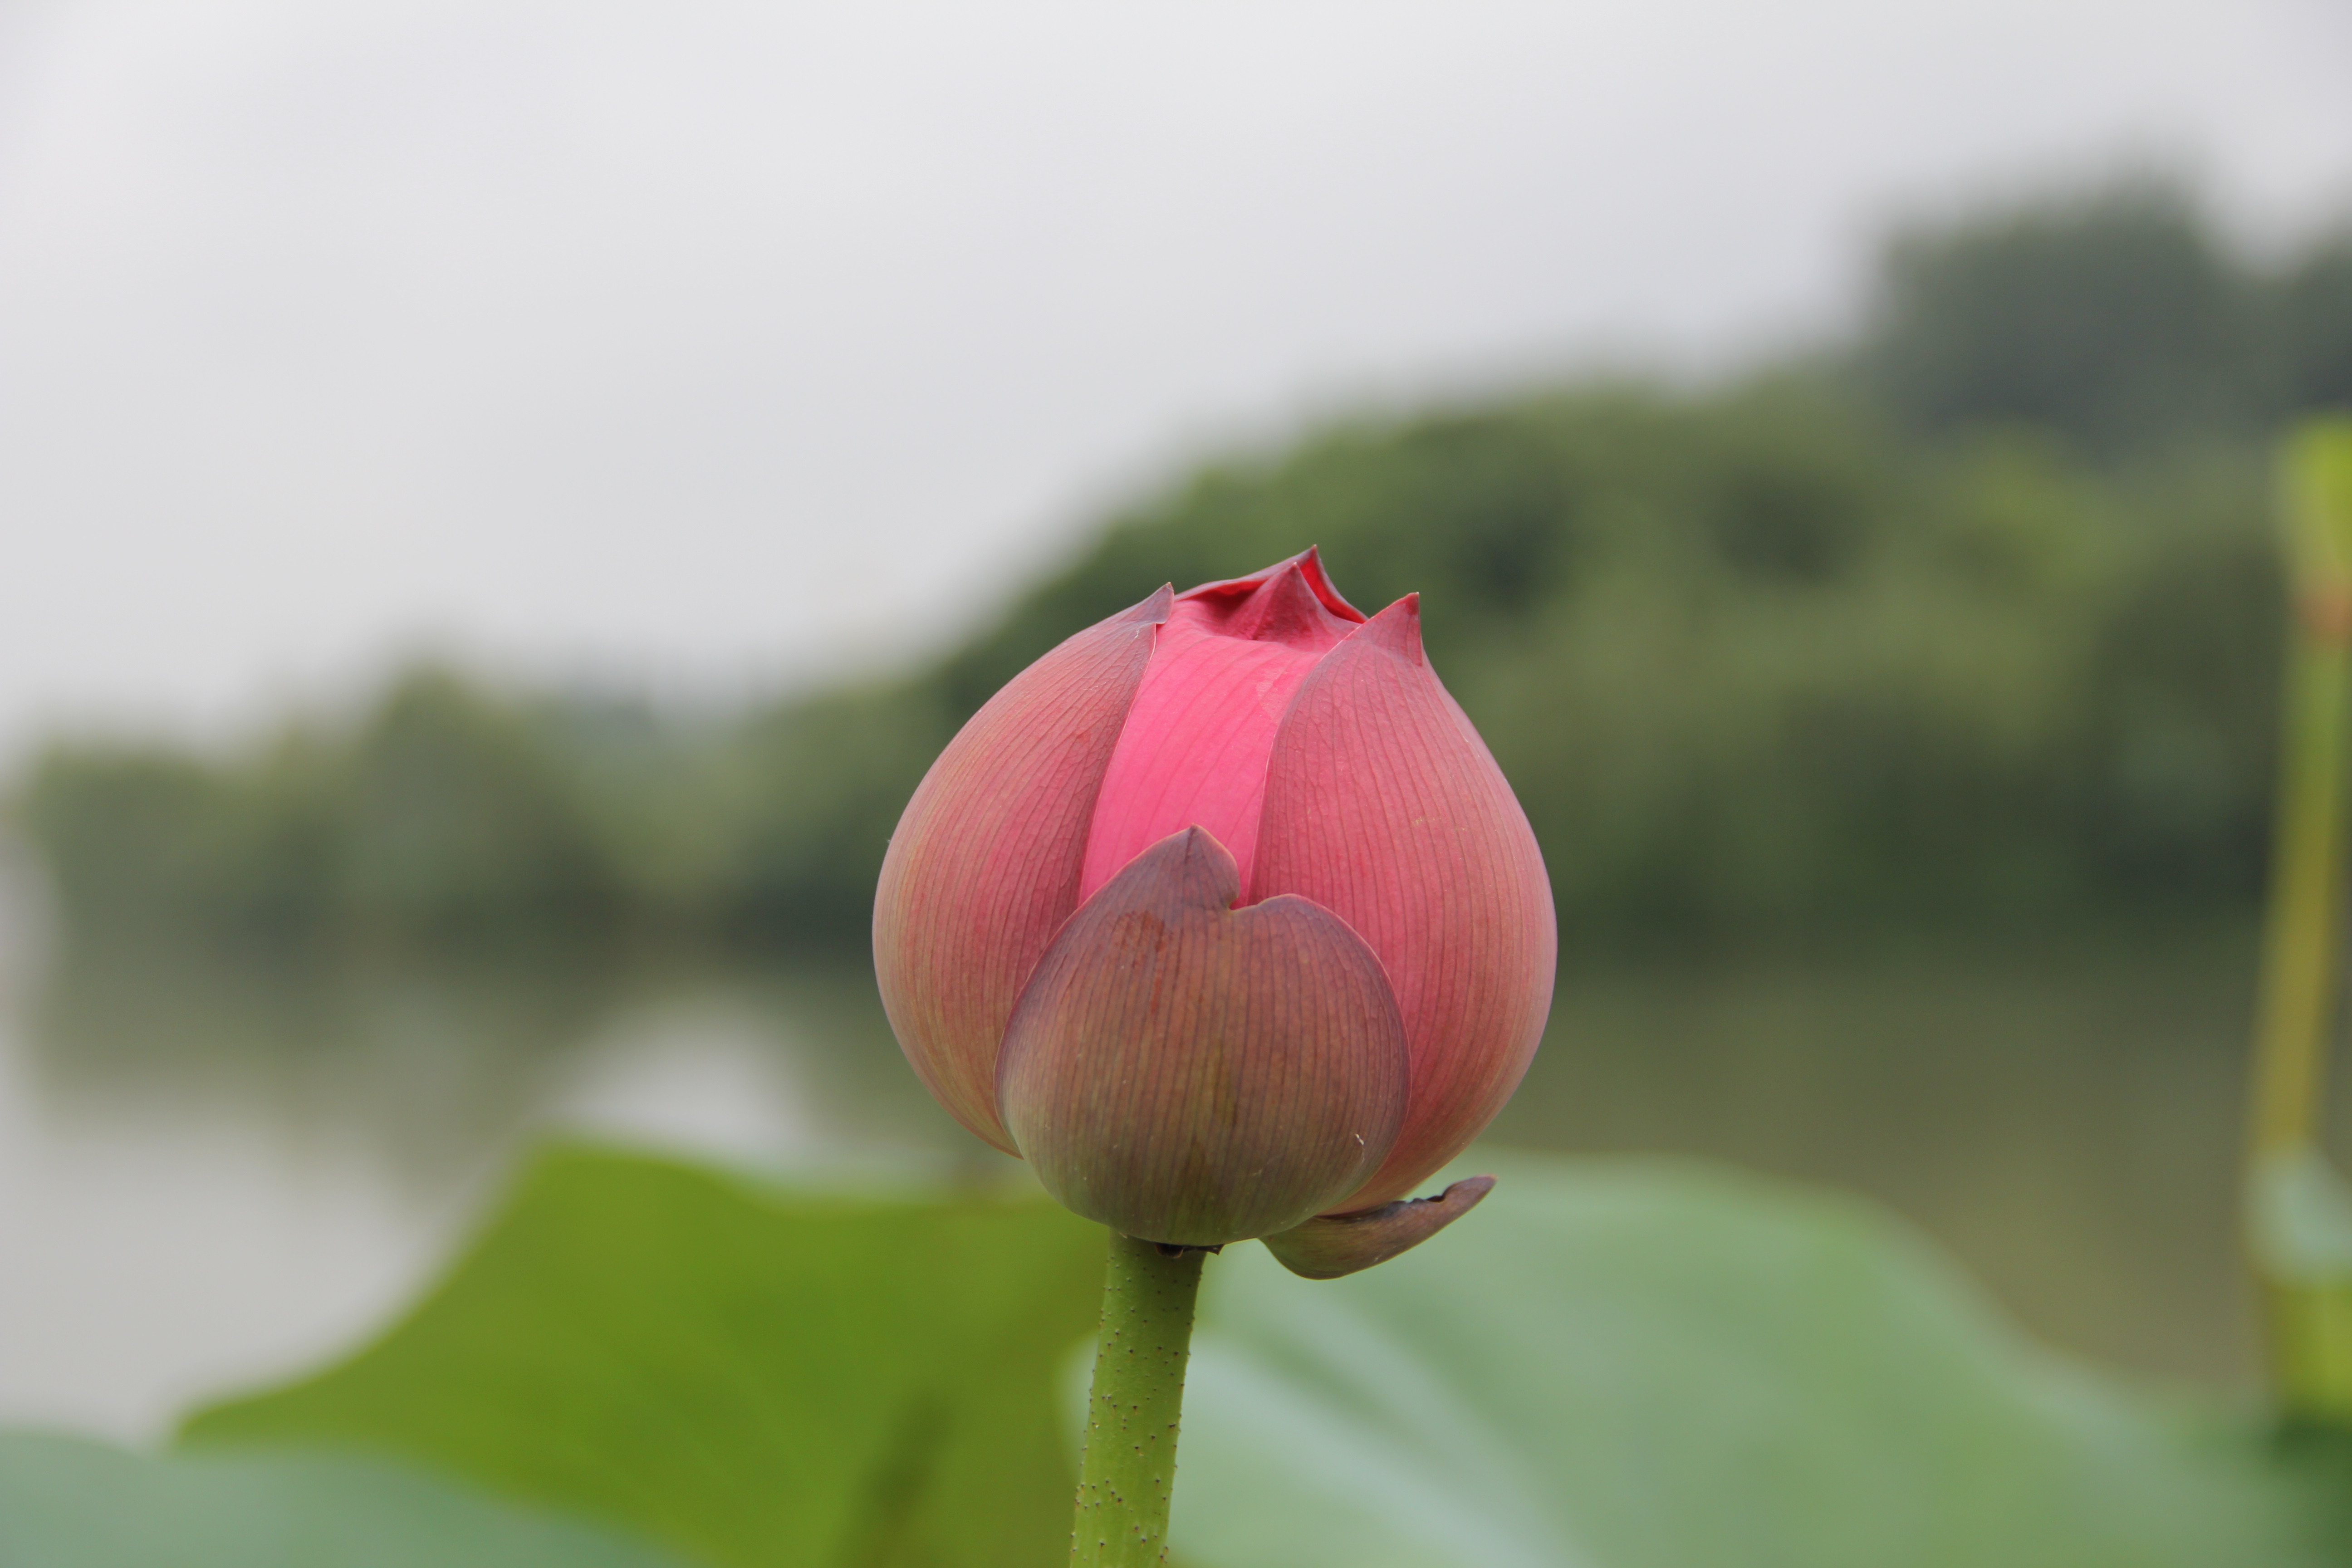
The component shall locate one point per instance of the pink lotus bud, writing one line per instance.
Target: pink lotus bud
(1222, 916)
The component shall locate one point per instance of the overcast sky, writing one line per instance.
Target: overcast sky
(714, 343)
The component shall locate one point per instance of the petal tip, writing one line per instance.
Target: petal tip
(1307, 564)
(1330, 1246)
(1155, 608)
(1190, 865)
(1397, 629)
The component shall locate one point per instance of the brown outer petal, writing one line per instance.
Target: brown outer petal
(1187, 1072)
(1331, 1246)
(1383, 806)
(984, 865)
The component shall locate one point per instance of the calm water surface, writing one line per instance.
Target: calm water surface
(213, 1174)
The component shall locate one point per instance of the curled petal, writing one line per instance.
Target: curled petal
(1383, 806)
(1187, 1072)
(1329, 1246)
(984, 865)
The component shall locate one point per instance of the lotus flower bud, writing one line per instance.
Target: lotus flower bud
(1222, 916)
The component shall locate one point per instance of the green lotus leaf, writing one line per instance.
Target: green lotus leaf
(68, 1503)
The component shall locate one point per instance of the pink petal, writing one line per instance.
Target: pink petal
(984, 866)
(1383, 806)
(1307, 563)
(1194, 749)
(1185, 1071)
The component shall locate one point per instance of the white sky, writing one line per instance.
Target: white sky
(709, 343)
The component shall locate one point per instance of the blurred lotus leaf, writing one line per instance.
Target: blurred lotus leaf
(1611, 1365)
(67, 1503)
(752, 1377)
(1638, 1364)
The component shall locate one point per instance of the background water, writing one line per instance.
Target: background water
(213, 1174)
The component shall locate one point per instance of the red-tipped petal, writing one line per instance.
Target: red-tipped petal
(1383, 806)
(1187, 1072)
(984, 866)
(1308, 563)
(1194, 749)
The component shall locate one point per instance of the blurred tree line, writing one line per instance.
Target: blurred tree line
(1972, 618)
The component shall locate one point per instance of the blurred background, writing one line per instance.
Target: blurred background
(501, 502)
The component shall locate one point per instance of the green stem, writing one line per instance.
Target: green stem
(1129, 1470)
(2307, 1343)
(2306, 898)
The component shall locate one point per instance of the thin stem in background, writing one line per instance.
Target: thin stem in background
(2306, 896)
(2289, 1184)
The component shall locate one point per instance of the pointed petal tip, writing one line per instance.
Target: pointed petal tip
(1284, 608)
(1308, 565)
(1397, 629)
(1330, 1246)
(1199, 868)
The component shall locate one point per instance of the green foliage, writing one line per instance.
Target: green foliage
(1608, 1364)
(453, 817)
(447, 815)
(67, 1503)
(2312, 328)
(753, 1377)
(2114, 320)
(1752, 664)
(2117, 319)
(1641, 1365)
(1974, 618)
(813, 790)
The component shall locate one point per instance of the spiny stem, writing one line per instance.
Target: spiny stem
(1128, 1469)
